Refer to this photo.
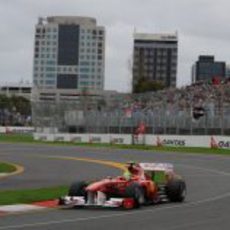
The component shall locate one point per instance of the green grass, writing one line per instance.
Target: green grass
(27, 196)
(6, 168)
(17, 138)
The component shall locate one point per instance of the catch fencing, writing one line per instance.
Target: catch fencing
(69, 117)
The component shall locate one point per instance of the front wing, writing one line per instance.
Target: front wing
(97, 201)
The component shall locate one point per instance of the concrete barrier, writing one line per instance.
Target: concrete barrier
(16, 129)
(128, 139)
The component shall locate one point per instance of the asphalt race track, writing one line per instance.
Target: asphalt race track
(207, 206)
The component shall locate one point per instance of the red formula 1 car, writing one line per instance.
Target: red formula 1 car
(153, 183)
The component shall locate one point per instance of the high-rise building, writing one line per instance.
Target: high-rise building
(227, 72)
(155, 58)
(69, 54)
(206, 69)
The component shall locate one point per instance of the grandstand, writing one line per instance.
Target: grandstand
(200, 109)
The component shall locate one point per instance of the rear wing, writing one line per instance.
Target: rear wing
(166, 167)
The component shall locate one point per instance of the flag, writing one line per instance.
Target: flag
(141, 129)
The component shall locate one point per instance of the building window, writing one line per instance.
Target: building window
(84, 76)
(84, 70)
(50, 75)
(50, 62)
(84, 83)
(50, 82)
(50, 69)
(84, 63)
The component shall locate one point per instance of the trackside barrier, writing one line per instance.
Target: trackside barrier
(16, 129)
(128, 139)
(125, 139)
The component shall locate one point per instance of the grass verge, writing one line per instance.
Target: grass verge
(6, 168)
(17, 138)
(27, 196)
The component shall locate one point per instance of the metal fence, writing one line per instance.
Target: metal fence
(69, 117)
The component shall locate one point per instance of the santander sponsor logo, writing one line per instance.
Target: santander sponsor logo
(219, 144)
(225, 144)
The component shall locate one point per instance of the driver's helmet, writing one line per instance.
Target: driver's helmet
(130, 165)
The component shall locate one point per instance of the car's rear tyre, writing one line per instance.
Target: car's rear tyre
(176, 190)
(137, 193)
(78, 189)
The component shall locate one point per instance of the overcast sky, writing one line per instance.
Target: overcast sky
(203, 27)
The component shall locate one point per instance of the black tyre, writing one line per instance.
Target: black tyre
(136, 192)
(78, 189)
(176, 190)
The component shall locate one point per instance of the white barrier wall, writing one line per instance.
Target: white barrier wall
(152, 140)
(85, 138)
(122, 139)
(177, 141)
(16, 129)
